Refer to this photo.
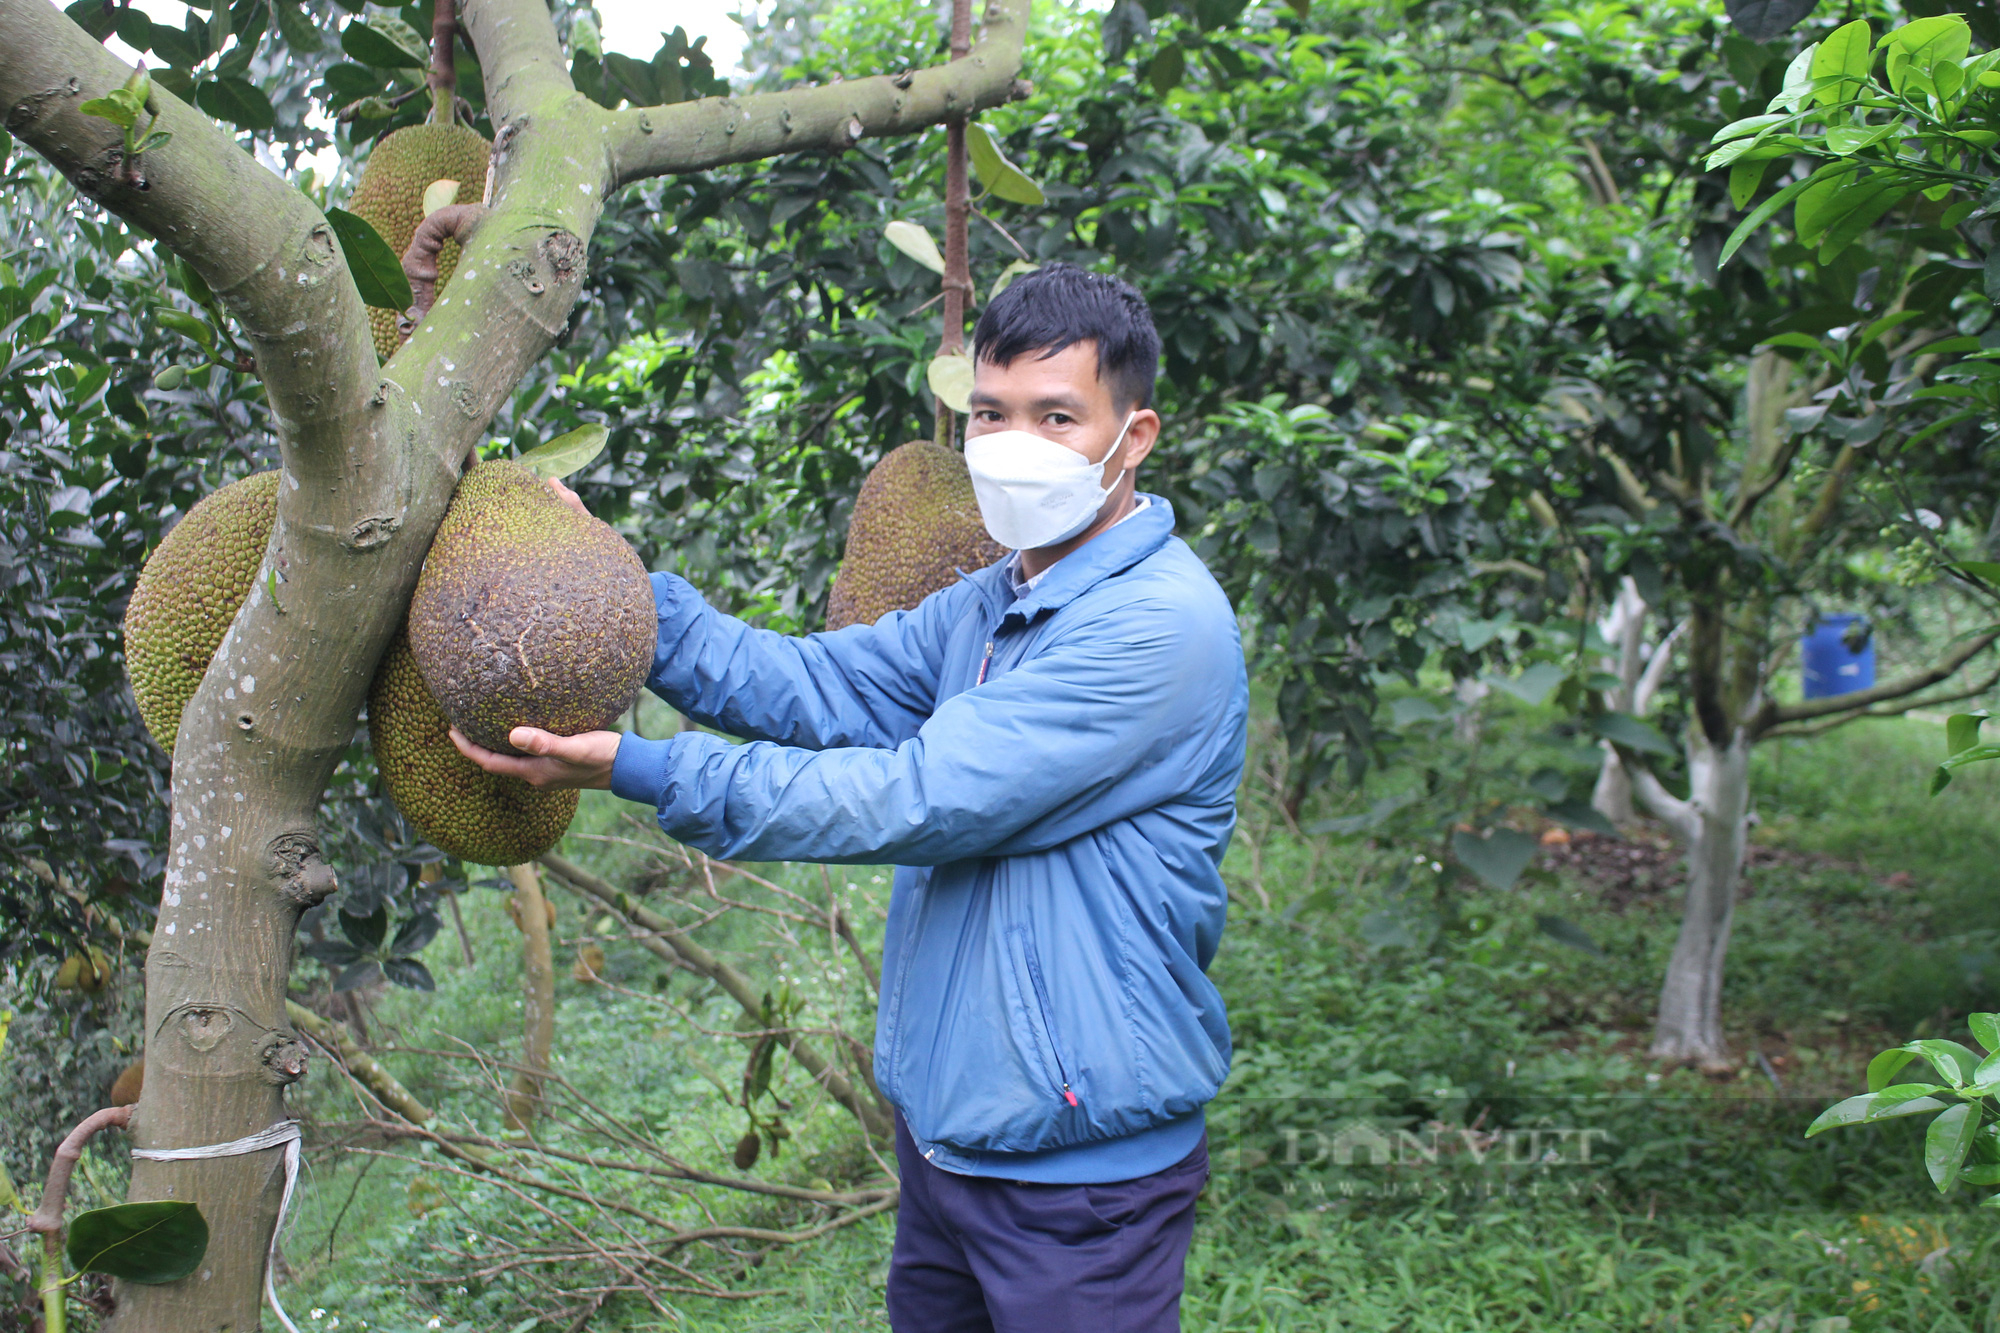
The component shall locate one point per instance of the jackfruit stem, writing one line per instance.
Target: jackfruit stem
(957, 210)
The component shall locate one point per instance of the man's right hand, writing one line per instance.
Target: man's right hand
(568, 497)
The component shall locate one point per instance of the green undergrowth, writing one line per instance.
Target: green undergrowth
(1369, 981)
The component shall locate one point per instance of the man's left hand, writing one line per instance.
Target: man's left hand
(551, 762)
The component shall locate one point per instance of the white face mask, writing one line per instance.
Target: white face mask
(1034, 492)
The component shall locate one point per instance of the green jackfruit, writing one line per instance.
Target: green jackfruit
(391, 196)
(188, 594)
(454, 804)
(915, 525)
(528, 613)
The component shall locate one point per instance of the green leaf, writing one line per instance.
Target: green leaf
(296, 26)
(1805, 342)
(1823, 188)
(1871, 1106)
(1624, 729)
(1760, 215)
(1953, 1061)
(950, 377)
(1167, 69)
(113, 109)
(1846, 140)
(1564, 931)
(171, 378)
(1798, 80)
(1736, 129)
(187, 326)
(377, 270)
(567, 453)
(1985, 1031)
(915, 242)
(1581, 814)
(1499, 858)
(367, 44)
(237, 101)
(1008, 274)
(1847, 53)
(1864, 215)
(1961, 732)
(1746, 178)
(995, 172)
(1533, 685)
(1977, 754)
(160, 1241)
(1947, 1141)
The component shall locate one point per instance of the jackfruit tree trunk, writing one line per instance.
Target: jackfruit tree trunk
(370, 457)
(533, 914)
(1712, 825)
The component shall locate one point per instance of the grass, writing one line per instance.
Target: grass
(1865, 920)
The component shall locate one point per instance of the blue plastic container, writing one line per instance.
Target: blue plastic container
(1830, 667)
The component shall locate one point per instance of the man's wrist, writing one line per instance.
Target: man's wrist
(639, 768)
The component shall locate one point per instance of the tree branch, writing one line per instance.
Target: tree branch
(1670, 809)
(672, 944)
(711, 132)
(260, 244)
(1774, 714)
(1906, 706)
(519, 57)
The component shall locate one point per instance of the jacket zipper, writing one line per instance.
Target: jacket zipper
(984, 663)
(1048, 1028)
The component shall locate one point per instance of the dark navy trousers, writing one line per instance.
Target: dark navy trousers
(976, 1254)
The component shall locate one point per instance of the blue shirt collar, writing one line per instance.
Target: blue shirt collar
(1112, 551)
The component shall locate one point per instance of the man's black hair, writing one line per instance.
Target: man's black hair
(1059, 304)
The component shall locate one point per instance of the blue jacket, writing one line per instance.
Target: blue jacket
(1055, 776)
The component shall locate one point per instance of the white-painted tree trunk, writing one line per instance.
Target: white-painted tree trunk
(1625, 626)
(1712, 825)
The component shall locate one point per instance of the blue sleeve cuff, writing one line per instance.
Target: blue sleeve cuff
(639, 772)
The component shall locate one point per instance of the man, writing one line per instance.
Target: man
(1050, 751)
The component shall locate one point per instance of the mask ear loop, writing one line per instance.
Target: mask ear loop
(1130, 417)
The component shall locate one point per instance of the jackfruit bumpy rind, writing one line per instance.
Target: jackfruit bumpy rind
(528, 613)
(458, 807)
(915, 525)
(189, 592)
(391, 196)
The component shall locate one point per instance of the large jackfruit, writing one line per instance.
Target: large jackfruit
(188, 594)
(457, 806)
(391, 196)
(915, 525)
(529, 613)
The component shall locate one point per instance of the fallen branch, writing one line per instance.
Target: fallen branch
(670, 943)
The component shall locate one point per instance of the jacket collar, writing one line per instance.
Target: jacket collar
(1111, 552)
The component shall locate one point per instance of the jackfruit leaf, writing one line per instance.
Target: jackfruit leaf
(1564, 931)
(237, 101)
(296, 26)
(915, 242)
(1008, 274)
(1499, 858)
(378, 273)
(1981, 569)
(1167, 69)
(1870, 1106)
(439, 194)
(159, 1241)
(368, 44)
(409, 974)
(1624, 729)
(950, 376)
(1985, 1031)
(1972, 754)
(565, 454)
(999, 175)
(187, 326)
